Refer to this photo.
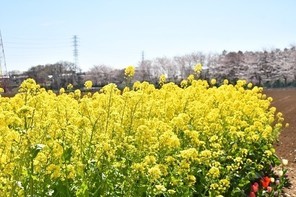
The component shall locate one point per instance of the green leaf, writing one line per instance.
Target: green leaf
(82, 191)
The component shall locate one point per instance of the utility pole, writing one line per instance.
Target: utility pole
(75, 52)
(3, 74)
(143, 56)
(2, 58)
(75, 55)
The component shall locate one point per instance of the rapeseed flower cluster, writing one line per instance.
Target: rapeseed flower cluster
(129, 71)
(198, 139)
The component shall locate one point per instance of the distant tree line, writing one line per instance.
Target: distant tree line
(269, 68)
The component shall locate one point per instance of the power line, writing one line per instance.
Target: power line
(36, 38)
(30, 44)
(29, 49)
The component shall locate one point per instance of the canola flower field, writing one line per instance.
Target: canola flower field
(192, 139)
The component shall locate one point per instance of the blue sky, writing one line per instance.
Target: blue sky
(115, 32)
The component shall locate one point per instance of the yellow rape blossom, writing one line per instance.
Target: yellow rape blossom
(160, 188)
(190, 78)
(225, 82)
(154, 172)
(62, 91)
(142, 140)
(197, 68)
(214, 172)
(250, 85)
(88, 84)
(184, 83)
(213, 81)
(191, 179)
(129, 71)
(69, 86)
(162, 79)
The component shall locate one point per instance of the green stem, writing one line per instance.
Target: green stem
(108, 112)
(31, 178)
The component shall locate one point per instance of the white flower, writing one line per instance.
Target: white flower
(19, 184)
(39, 146)
(50, 192)
(285, 162)
(272, 179)
(280, 173)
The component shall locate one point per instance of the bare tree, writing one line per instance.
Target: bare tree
(39, 74)
(181, 64)
(144, 72)
(165, 66)
(100, 75)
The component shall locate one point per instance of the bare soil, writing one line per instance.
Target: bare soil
(285, 101)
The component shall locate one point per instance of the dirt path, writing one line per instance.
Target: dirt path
(285, 101)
